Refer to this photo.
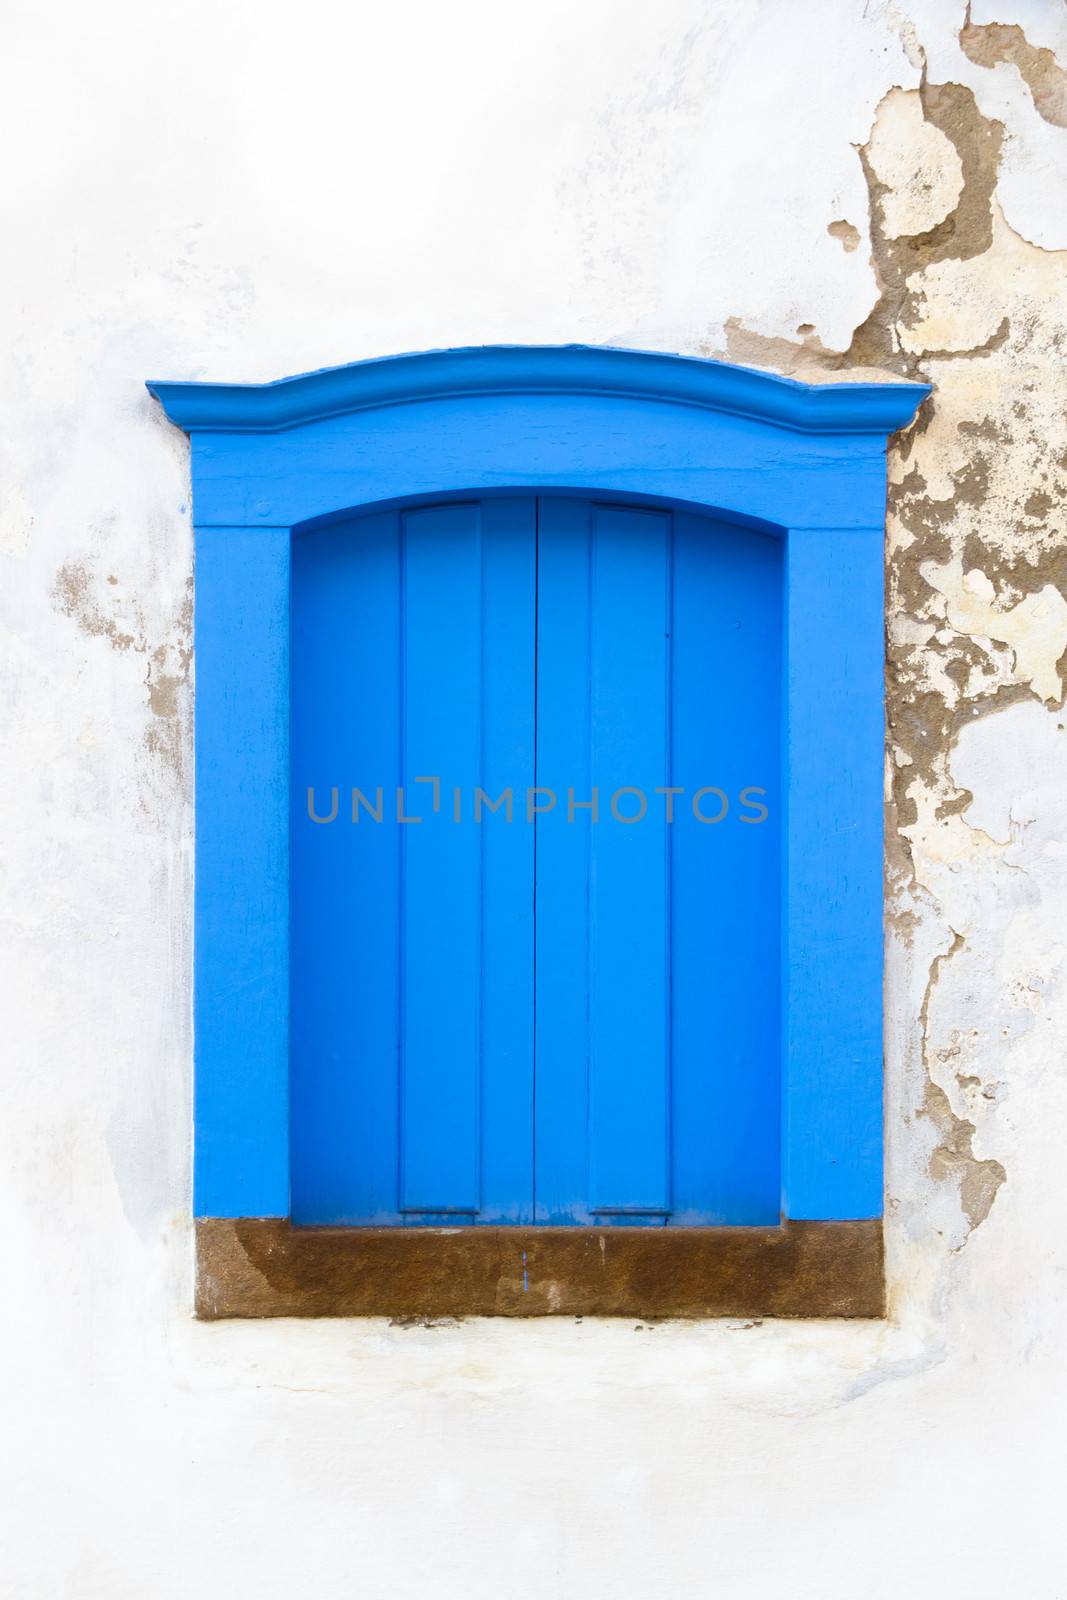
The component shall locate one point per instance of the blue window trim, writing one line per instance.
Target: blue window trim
(806, 462)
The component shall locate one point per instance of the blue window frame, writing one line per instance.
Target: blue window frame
(539, 568)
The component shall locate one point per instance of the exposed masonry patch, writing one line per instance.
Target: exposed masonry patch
(918, 170)
(991, 44)
(977, 525)
(1034, 629)
(101, 614)
(847, 234)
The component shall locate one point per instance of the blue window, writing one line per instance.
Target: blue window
(539, 768)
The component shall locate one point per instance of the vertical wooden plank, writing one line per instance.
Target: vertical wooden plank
(441, 921)
(832, 930)
(345, 880)
(726, 735)
(602, 1118)
(506, 840)
(562, 847)
(242, 872)
(629, 947)
(467, 885)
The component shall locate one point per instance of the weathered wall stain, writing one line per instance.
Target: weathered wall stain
(168, 663)
(73, 593)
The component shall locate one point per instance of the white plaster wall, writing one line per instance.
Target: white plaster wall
(237, 190)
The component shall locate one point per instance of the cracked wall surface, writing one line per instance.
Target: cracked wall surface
(847, 187)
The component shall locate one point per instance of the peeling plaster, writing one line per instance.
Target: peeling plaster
(849, 236)
(918, 170)
(1035, 628)
(953, 1157)
(992, 44)
(977, 533)
(970, 563)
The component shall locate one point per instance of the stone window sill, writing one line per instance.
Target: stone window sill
(265, 1267)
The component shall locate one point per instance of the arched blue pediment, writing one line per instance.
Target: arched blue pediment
(600, 421)
(877, 408)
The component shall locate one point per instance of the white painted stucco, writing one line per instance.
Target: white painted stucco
(241, 191)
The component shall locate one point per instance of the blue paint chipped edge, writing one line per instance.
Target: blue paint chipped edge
(878, 408)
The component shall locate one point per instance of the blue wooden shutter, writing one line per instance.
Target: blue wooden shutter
(569, 1020)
